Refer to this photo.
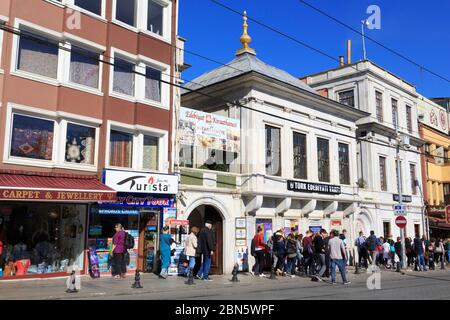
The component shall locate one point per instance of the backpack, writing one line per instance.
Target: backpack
(370, 243)
(129, 241)
(253, 247)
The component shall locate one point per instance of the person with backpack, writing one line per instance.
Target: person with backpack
(118, 265)
(319, 248)
(291, 252)
(371, 245)
(419, 249)
(398, 251)
(308, 252)
(360, 244)
(280, 248)
(164, 251)
(409, 252)
(257, 250)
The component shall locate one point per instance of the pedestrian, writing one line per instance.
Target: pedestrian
(118, 250)
(338, 257)
(191, 248)
(419, 249)
(281, 253)
(439, 251)
(430, 254)
(319, 249)
(291, 253)
(326, 239)
(165, 252)
(343, 237)
(308, 252)
(447, 247)
(299, 238)
(426, 243)
(399, 251)
(260, 248)
(206, 243)
(386, 251)
(371, 245)
(360, 244)
(409, 252)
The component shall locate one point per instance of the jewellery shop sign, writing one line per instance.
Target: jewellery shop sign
(141, 182)
(299, 186)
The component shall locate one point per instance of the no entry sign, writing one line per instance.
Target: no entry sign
(400, 221)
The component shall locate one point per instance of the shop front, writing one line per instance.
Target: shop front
(144, 201)
(43, 222)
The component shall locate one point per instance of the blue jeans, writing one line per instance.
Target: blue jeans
(291, 265)
(191, 264)
(204, 268)
(420, 261)
(341, 265)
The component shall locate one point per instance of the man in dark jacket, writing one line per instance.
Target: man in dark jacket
(371, 245)
(319, 249)
(206, 245)
(419, 250)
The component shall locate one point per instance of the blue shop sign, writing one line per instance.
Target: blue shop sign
(315, 228)
(133, 200)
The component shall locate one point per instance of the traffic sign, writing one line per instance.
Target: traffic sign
(400, 221)
(399, 209)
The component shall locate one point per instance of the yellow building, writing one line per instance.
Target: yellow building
(434, 129)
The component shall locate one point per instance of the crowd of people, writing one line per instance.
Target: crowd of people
(316, 254)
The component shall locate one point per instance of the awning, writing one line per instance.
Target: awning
(35, 186)
(438, 223)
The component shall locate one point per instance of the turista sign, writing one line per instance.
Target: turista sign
(138, 182)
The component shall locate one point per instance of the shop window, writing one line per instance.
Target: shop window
(42, 238)
(383, 179)
(347, 97)
(150, 159)
(37, 55)
(323, 160)
(273, 155)
(152, 84)
(80, 144)
(155, 17)
(94, 6)
(120, 149)
(300, 157)
(344, 165)
(32, 138)
(124, 79)
(84, 67)
(219, 160)
(126, 11)
(379, 105)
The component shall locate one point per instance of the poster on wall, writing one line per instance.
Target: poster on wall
(266, 224)
(336, 224)
(168, 214)
(208, 130)
(241, 258)
(179, 231)
(291, 225)
(315, 225)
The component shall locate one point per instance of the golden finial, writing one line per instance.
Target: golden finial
(245, 39)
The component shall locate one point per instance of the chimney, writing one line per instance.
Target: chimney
(349, 51)
(341, 61)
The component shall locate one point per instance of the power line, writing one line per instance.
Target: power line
(373, 40)
(237, 104)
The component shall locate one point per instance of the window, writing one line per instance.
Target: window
(80, 144)
(347, 97)
(32, 138)
(300, 159)
(126, 11)
(273, 156)
(155, 17)
(446, 187)
(37, 55)
(386, 229)
(84, 67)
(152, 84)
(344, 166)
(120, 149)
(379, 105)
(383, 183)
(150, 159)
(412, 174)
(323, 158)
(397, 174)
(394, 113)
(409, 118)
(94, 6)
(123, 81)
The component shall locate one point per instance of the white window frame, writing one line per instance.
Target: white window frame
(71, 4)
(60, 119)
(65, 40)
(138, 132)
(141, 17)
(141, 62)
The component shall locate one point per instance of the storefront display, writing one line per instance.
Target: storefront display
(291, 225)
(41, 238)
(179, 231)
(266, 224)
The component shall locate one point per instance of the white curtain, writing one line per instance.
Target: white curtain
(123, 77)
(84, 68)
(36, 57)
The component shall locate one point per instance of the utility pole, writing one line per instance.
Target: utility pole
(400, 195)
(363, 23)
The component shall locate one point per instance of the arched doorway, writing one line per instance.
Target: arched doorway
(197, 218)
(363, 223)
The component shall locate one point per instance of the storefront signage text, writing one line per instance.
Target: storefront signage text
(404, 198)
(149, 201)
(138, 182)
(57, 195)
(298, 186)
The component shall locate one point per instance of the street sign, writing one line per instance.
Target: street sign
(399, 209)
(400, 221)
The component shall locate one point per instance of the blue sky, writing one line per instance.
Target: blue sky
(418, 29)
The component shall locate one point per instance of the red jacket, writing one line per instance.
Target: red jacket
(259, 241)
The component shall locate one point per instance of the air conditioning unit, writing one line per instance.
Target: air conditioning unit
(404, 141)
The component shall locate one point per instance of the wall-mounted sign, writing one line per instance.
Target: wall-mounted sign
(139, 182)
(432, 115)
(197, 128)
(404, 198)
(241, 234)
(336, 224)
(299, 186)
(240, 223)
(141, 201)
(118, 211)
(241, 243)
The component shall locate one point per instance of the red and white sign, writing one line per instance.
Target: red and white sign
(447, 214)
(400, 221)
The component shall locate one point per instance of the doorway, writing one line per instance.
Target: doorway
(197, 218)
(148, 241)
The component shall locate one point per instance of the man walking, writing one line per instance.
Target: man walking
(319, 248)
(206, 243)
(371, 245)
(338, 257)
(420, 252)
(362, 250)
(398, 251)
